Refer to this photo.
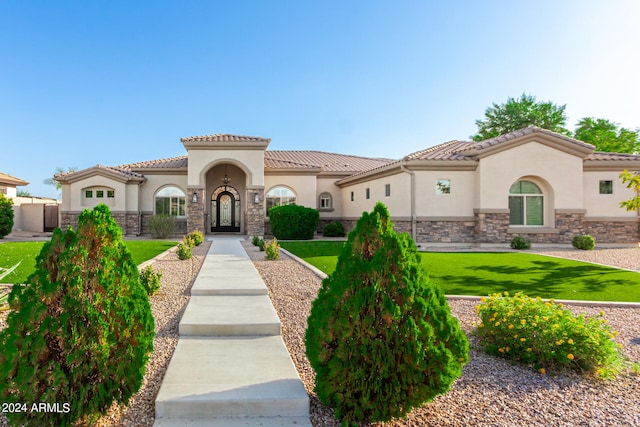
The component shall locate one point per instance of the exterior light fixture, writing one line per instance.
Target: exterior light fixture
(256, 198)
(226, 178)
(194, 199)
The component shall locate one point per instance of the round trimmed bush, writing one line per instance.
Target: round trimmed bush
(81, 329)
(293, 222)
(333, 229)
(380, 336)
(586, 242)
(520, 242)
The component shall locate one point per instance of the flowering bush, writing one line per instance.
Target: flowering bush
(543, 334)
(196, 237)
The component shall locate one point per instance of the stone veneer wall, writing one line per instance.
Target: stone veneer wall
(254, 222)
(491, 227)
(613, 231)
(442, 231)
(128, 221)
(195, 211)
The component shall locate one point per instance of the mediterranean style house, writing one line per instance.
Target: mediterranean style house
(532, 182)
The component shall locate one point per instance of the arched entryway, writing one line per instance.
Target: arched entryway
(225, 209)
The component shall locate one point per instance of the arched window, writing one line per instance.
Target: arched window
(278, 196)
(171, 201)
(325, 201)
(526, 204)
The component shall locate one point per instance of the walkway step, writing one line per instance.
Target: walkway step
(234, 422)
(223, 316)
(231, 377)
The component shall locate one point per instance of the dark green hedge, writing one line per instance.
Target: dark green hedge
(293, 222)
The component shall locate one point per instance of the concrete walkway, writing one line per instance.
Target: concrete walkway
(231, 367)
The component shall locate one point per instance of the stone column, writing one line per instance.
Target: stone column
(254, 221)
(195, 211)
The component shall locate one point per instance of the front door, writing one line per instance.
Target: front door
(225, 210)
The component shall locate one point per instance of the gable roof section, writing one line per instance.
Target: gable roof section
(7, 179)
(115, 173)
(523, 136)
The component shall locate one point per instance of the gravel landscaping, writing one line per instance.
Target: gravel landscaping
(491, 391)
(167, 306)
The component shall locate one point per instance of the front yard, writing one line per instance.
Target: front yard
(484, 273)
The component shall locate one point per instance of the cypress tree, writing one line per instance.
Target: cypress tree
(80, 331)
(380, 336)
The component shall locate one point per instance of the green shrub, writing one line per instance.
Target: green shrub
(196, 237)
(81, 329)
(333, 229)
(380, 336)
(520, 242)
(151, 280)
(255, 240)
(262, 244)
(545, 335)
(6, 216)
(293, 222)
(162, 226)
(188, 241)
(184, 251)
(586, 242)
(273, 249)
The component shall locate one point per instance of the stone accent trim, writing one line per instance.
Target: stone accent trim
(195, 211)
(613, 231)
(254, 221)
(128, 221)
(491, 226)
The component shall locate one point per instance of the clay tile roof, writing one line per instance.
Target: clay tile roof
(328, 162)
(522, 132)
(168, 163)
(224, 138)
(612, 156)
(446, 151)
(11, 180)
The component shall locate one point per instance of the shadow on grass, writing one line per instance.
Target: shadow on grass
(548, 279)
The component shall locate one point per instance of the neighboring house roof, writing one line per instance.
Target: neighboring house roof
(6, 179)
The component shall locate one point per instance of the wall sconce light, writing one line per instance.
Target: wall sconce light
(194, 199)
(256, 198)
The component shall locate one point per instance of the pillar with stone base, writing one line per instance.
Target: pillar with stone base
(195, 210)
(254, 221)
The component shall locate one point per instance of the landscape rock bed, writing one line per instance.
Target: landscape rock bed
(491, 391)
(167, 306)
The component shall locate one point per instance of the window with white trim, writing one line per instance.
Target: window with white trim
(171, 201)
(279, 196)
(443, 186)
(387, 190)
(526, 204)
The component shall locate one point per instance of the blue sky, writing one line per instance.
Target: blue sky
(117, 82)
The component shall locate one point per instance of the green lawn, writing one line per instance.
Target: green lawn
(12, 252)
(483, 273)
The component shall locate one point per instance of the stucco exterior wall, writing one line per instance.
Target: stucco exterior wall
(327, 185)
(78, 201)
(459, 203)
(559, 172)
(154, 183)
(304, 186)
(399, 202)
(606, 205)
(200, 161)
